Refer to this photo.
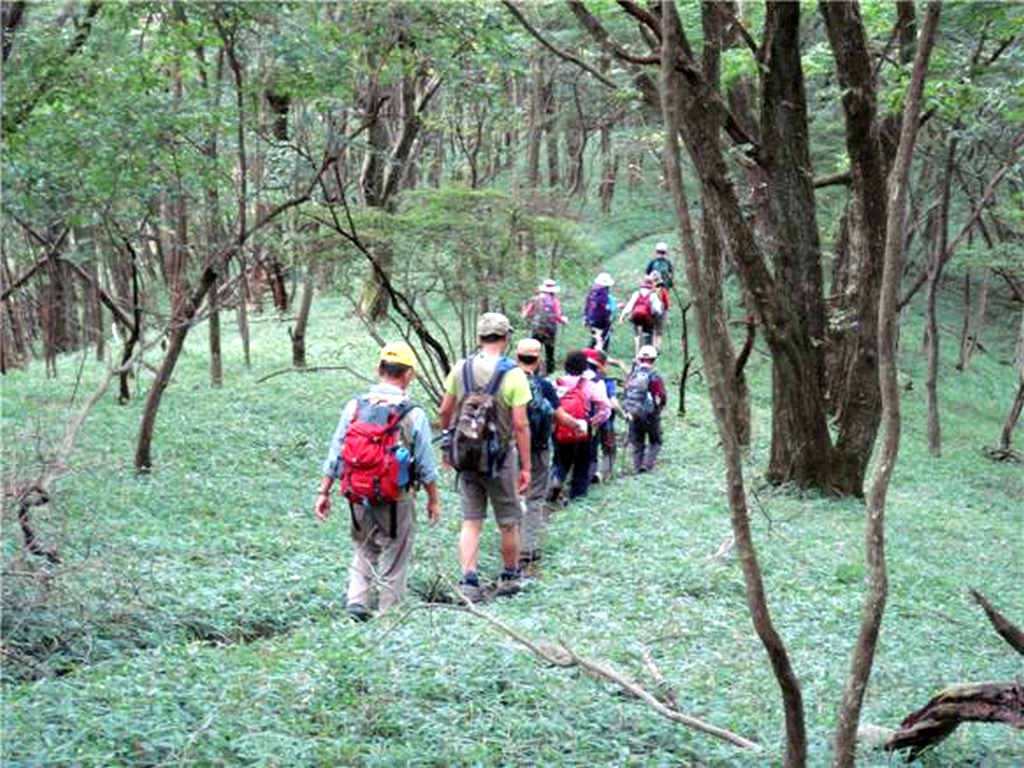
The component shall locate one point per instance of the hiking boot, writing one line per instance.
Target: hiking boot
(469, 588)
(509, 582)
(357, 612)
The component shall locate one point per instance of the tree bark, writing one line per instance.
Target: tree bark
(798, 383)
(1006, 436)
(888, 368)
(971, 702)
(673, 104)
(302, 321)
(931, 338)
(853, 385)
(976, 325)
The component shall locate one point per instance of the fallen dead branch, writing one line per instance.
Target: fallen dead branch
(1002, 625)
(564, 656)
(970, 702)
(317, 369)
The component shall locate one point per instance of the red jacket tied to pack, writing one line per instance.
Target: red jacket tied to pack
(370, 475)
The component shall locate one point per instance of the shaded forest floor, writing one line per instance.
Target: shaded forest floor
(198, 616)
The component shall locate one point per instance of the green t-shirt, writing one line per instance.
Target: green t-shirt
(514, 390)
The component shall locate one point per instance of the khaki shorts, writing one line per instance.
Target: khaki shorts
(475, 489)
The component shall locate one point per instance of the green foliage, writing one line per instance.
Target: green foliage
(198, 614)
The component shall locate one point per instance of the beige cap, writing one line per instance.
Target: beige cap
(529, 347)
(493, 324)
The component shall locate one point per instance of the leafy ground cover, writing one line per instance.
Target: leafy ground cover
(198, 617)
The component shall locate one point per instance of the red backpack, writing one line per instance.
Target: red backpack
(370, 476)
(576, 404)
(642, 313)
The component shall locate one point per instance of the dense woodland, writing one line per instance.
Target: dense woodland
(841, 183)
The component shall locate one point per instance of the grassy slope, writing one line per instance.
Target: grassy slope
(219, 544)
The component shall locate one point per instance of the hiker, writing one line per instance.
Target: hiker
(582, 397)
(603, 446)
(488, 443)
(543, 313)
(599, 311)
(644, 399)
(379, 480)
(642, 309)
(662, 265)
(543, 411)
(661, 289)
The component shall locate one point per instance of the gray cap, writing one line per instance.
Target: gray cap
(493, 324)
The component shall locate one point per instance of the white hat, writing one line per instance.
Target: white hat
(661, 248)
(550, 286)
(604, 279)
(647, 352)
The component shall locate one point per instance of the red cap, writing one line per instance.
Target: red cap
(595, 356)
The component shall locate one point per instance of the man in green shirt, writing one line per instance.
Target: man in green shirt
(511, 477)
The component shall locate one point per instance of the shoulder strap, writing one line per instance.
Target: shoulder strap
(504, 366)
(399, 412)
(467, 377)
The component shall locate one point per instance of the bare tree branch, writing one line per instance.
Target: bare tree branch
(1002, 625)
(555, 50)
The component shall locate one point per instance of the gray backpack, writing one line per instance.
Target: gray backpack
(638, 402)
(476, 440)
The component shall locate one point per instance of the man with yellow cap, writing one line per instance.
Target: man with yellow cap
(381, 454)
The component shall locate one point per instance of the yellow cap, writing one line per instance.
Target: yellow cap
(398, 352)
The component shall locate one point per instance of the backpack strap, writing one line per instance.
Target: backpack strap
(467, 377)
(504, 366)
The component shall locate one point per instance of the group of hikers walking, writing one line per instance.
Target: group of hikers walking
(518, 441)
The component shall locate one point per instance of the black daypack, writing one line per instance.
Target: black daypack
(540, 414)
(476, 439)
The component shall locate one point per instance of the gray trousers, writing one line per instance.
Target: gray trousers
(645, 430)
(381, 560)
(533, 503)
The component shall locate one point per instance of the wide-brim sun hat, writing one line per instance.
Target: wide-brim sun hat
(647, 352)
(604, 279)
(550, 286)
(398, 352)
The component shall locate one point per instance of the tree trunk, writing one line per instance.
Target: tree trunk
(1006, 437)
(243, 195)
(713, 267)
(888, 370)
(799, 413)
(965, 326)
(609, 170)
(977, 324)
(853, 382)
(302, 321)
(673, 101)
(935, 265)
(539, 93)
(554, 177)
